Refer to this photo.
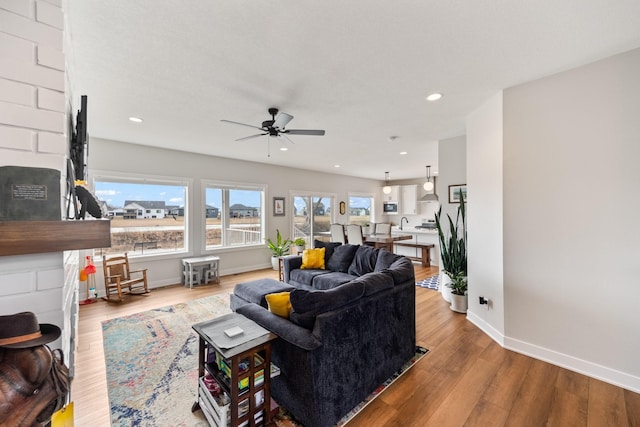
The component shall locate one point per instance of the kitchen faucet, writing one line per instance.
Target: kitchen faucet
(404, 218)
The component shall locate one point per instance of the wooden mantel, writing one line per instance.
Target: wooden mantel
(34, 237)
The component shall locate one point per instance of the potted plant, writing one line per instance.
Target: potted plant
(300, 244)
(453, 251)
(278, 248)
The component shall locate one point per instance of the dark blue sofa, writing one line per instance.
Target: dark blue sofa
(344, 340)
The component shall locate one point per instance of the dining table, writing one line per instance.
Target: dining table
(384, 240)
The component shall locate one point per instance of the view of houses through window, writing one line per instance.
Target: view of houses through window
(360, 209)
(234, 216)
(146, 218)
(311, 217)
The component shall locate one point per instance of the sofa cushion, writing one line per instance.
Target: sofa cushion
(305, 276)
(402, 270)
(342, 258)
(331, 280)
(256, 290)
(364, 261)
(376, 282)
(385, 259)
(313, 259)
(316, 302)
(329, 247)
(279, 304)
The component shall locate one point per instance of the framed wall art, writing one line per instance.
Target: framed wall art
(455, 191)
(278, 206)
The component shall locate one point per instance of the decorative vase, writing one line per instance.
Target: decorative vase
(274, 262)
(459, 303)
(300, 249)
(444, 289)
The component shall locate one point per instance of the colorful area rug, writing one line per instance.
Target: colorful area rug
(152, 366)
(430, 282)
(152, 363)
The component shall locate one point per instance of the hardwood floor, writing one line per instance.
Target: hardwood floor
(466, 379)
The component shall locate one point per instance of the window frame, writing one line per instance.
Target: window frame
(362, 195)
(333, 197)
(136, 178)
(226, 186)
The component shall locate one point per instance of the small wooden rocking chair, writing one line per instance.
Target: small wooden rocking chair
(118, 278)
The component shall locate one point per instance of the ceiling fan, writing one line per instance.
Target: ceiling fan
(276, 127)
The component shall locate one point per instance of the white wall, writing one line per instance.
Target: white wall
(484, 214)
(32, 134)
(452, 160)
(571, 244)
(114, 156)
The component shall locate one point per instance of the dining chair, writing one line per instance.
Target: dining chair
(383, 228)
(354, 234)
(337, 233)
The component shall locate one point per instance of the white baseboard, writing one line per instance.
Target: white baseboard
(603, 373)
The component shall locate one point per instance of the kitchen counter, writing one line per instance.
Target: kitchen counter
(412, 230)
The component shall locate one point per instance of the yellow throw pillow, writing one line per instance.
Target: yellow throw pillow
(279, 304)
(313, 259)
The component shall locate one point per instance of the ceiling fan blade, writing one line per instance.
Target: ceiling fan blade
(241, 124)
(304, 132)
(282, 135)
(282, 120)
(252, 136)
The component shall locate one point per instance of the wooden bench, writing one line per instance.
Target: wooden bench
(426, 251)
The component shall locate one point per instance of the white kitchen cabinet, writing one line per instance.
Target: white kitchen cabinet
(408, 199)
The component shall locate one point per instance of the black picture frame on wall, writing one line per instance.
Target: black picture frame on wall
(278, 206)
(454, 192)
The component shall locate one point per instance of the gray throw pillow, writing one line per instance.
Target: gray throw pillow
(364, 261)
(329, 247)
(341, 258)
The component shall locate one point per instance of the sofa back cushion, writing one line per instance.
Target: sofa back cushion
(385, 259)
(329, 247)
(402, 270)
(364, 261)
(375, 282)
(341, 258)
(306, 305)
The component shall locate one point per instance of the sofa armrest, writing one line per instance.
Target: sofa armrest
(280, 326)
(289, 263)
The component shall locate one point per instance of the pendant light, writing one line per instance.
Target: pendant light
(387, 188)
(428, 185)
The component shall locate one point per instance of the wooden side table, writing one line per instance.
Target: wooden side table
(242, 371)
(280, 269)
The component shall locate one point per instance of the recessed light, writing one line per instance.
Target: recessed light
(402, 153)
(136, 119)
(434, 96)
(284, 149)
(336, 166)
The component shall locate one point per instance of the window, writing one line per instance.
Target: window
(234, 216)
(360, 209)
(312, 217)
(148, 216)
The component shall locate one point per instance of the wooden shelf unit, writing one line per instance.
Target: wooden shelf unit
(34, 237)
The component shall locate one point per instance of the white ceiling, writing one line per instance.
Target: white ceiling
(358, 69)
